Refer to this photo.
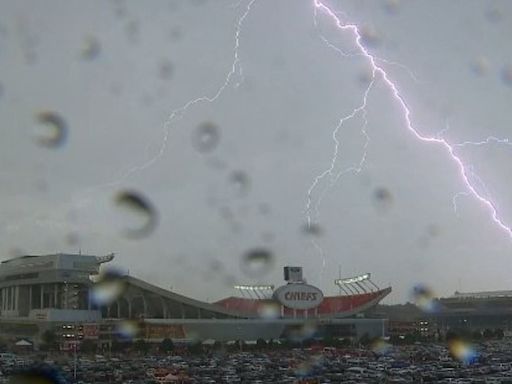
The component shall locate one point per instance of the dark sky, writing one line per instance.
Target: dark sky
(223, 138)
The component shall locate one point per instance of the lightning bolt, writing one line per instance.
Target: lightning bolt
(489, 140)
(82, 199)
(181, 111)
(467, 176)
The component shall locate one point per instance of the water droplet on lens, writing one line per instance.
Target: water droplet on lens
(268, 237)
(72, 238)
(127, 330)
(269, 310)
(506, 75)
(480, 66)
(240, 183)
(383, 199)
(381, 347)
(108, 288)
(15, 252)
(369, 36)
(392, 6)
(206, 137)
(91, 48)
(425, 299)
(433, 230)
(165, 69)
(312, 229)
(39, 374)
(53, 129)
(132, 31)
(175, 33)
(493, 14)
(257, 262)
(264, 209)
(141, 206)
(462, 350)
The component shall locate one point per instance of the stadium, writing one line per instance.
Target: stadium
(68, 294)
(475, 311)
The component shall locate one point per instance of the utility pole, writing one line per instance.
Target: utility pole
(75, 348)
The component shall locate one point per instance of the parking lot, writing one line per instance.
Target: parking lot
(420, 363)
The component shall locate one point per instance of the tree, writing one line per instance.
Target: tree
(261, 344)
(88, 346)
(365, 339)
(166, 345)
(49, 340)
(217, 345)
(195, 348)
(488, 334)
(141, 346)
(499, 334)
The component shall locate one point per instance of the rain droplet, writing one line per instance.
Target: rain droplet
(493, 14)
(268, 237)
(312, 229)
(269, 310)
(55, 129)
(264, 209)
(392, 6)
(383, 198)
(240, 183)
(462, 350)
(165, 69)
(369, 36)
(424, 298)
(433, 230)
(127, 330)
(380, 347)
(91, 48)
(138, 204)
(257, 262)
(506, 75)
(109, 287)
(73, 238)
(132, 31)
(175, 33)
(301, 332)
(38, 374)
(216, 266)
(480, 66)
(206, 137)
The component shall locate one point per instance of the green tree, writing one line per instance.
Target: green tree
(166, 345)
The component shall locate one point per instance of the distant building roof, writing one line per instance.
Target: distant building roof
(481, 295)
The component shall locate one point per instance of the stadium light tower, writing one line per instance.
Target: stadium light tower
(260, 291)
(356, 284)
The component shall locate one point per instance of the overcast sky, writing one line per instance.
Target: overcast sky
(115, 72)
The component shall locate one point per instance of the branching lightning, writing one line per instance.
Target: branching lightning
(178, 113)
(468, 177)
